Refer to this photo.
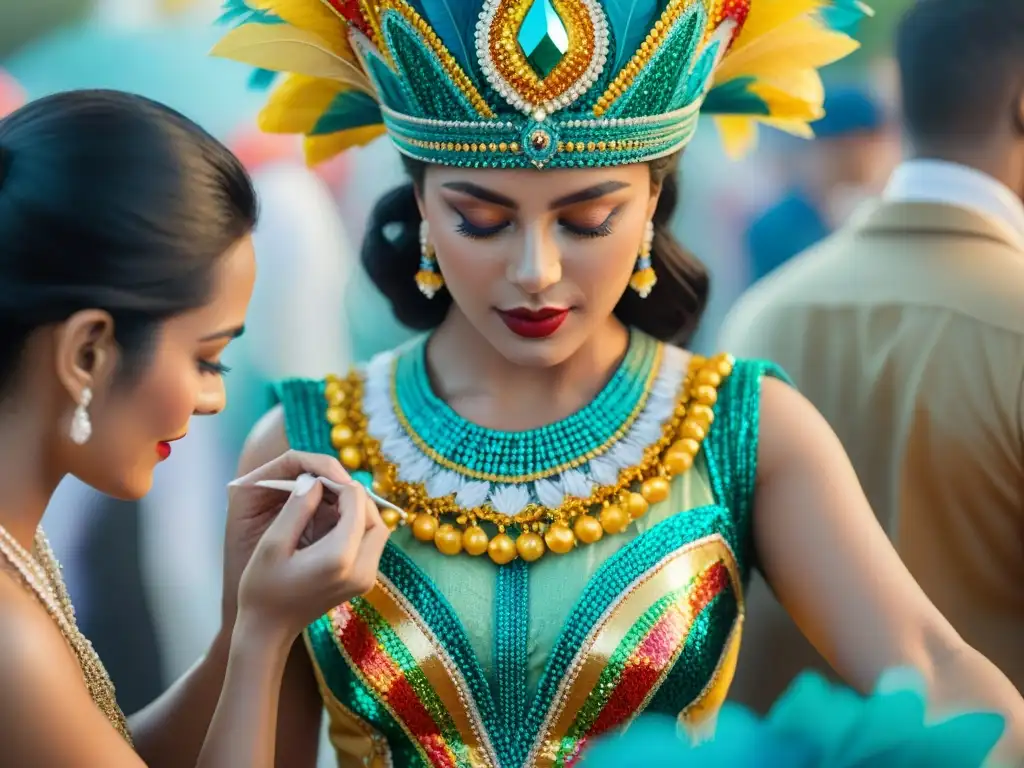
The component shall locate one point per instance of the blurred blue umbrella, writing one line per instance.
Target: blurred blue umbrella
(167, 63)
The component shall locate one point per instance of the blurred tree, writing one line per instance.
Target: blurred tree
(26, 20)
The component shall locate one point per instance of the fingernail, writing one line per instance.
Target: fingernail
(304, 484)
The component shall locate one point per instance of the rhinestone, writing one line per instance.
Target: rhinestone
(543, 37)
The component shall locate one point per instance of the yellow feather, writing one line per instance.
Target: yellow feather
(313, 16)
(739, 135)
(803, 84)
(297, 104)
(319, 149)
(799, 44)
(284, 48)
(768, 15)
(785, 106)
(799, 128)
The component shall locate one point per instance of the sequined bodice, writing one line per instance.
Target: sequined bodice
(457, 661)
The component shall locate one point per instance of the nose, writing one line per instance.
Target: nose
(539, 265)
(212, 399)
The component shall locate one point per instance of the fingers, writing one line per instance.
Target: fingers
(297, 512)
(291, 464)
(339, 547)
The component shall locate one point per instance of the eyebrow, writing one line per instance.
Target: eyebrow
(230, 333)
(574, 198)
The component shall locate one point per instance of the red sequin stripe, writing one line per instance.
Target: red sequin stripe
(656, 651)
(388, 681)
(352, 13)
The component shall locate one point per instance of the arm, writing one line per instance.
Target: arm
(169, 733)
(837, 574)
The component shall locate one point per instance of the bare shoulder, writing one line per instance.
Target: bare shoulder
(47, 717)
(792, 432)
(267, 440)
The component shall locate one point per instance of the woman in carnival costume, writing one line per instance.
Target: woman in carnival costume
(584, 499)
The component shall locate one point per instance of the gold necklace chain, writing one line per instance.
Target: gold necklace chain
(42, 576)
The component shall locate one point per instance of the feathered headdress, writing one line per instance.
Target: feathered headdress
(544, 83)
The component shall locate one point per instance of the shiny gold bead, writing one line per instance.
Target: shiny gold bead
(570, 147)
(390, 518)
(336, 415)
(502, 549)
(655, 490)
(636, 505)
(559, 539)
(514, 146)
(351, 457)
(686, 445)
(614, 519)
(341, 435)
(725, 365)
(382, 485)
(692, 430)
(424, 527)
(709, 377)
(706, 395)
(475, 540)
(503, 147)
(334, 393)
(448, 540)
(530, 546)
(702, 414)
(601, 145)
(677, 463)
(588, 529)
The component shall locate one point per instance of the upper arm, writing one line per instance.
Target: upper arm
(300, 710)
(825, 554)
(47, 716)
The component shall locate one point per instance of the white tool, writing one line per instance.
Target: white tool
(289, 485)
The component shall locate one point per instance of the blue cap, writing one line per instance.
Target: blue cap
(849, 110)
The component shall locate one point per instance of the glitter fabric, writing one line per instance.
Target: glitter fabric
(655, 629)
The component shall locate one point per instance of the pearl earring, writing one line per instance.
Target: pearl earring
(644, 279)
(81, 426)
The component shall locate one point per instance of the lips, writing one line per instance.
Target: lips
(163, 448)
(534, 323)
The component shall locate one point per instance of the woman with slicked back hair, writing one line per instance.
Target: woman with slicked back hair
(126, 268)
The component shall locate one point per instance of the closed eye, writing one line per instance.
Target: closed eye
(601, 230)
(213, 368)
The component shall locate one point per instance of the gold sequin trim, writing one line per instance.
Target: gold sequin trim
(511, 64)
(655, 38)
(451, 67)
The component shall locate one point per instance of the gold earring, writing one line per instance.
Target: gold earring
(644, 279)
(428, 279)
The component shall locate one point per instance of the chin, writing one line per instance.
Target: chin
(132, 486)
(537, 353)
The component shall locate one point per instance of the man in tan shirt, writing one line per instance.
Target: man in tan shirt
(906, 329)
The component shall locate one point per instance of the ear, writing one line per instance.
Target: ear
(652, 204)
(86, 353)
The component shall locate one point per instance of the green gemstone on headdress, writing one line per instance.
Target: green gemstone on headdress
(543, 37)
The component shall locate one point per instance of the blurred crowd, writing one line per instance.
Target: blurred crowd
(156, 568)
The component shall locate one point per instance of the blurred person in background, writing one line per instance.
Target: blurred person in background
(857, 146)
(906, 328)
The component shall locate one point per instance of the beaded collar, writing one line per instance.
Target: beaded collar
(554, 487)
(431, 444)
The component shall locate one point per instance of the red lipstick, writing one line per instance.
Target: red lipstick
(163, 450)
(534, 323)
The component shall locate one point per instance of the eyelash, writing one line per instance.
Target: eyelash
(603, 229)
(216, 369)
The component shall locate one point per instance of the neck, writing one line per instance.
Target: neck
(1004, 165)
(485, 388)
(24, 477)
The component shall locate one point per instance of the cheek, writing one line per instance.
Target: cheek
(601, 266)
(465, 261)
(165, 400)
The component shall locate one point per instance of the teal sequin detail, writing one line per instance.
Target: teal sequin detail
(511, 620)
(532, 452)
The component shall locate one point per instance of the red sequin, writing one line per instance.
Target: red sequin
(353, 14)
(653, 655)
(391, 684)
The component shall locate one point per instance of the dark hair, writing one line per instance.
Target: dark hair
(961, 66)
(672, 312)
(110, 201)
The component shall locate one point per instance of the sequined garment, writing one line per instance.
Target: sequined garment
(458, 661)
